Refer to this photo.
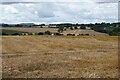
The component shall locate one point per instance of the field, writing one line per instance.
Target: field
(86, 31)
(54, 56)
(54, 30)
(11, 32)
(33, 30)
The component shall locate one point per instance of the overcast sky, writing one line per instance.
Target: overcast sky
(59, 11)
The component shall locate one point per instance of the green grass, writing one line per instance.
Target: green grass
(11, 32)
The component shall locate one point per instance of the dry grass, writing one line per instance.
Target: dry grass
(52, 56)
(86, 31)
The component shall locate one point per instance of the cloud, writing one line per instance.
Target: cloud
(56, 12)
(8, 3)
(29, 1)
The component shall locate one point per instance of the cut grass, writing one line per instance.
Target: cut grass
(53, 56)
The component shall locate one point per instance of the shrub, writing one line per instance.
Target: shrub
(82, 34)
(82, 27)
(4, 33)
(70, 34)
(87, 34)
(76, 27)
(40, 33)
(71, 28)
(16, 34)
(47, 32)
(58, 34)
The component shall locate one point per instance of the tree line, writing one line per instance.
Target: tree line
(109, 28)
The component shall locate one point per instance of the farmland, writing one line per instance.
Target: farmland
(33, 30)
(55, 30)
(60, 56)
(11, 32)
(90, 32)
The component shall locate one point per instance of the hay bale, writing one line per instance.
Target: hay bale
(22, 34)
(33, 33)
(26, 34)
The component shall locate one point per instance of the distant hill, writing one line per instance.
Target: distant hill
(27, 24)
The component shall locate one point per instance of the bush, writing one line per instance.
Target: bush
(58, 34)
(47, 32)
(82, 34)
(82, 27)
(70, 34)
(40, 33)
(4, 33)
(16, 34)
(76, 27)
(71, 28)
(87, 34)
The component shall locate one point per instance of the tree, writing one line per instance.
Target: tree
(18, 25)
(42, 24)
(4, 33)
(76, 27)
(116, 29)
(82, 27)
(47, 32)
(71, 28)
(40, 33)
(15, 34)
(5, 25)
(61, 28)
(58, 34)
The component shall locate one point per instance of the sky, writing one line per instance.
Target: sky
(59, 11)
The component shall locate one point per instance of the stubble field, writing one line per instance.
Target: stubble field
(59, 56)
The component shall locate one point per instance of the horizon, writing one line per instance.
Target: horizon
(58, 23)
